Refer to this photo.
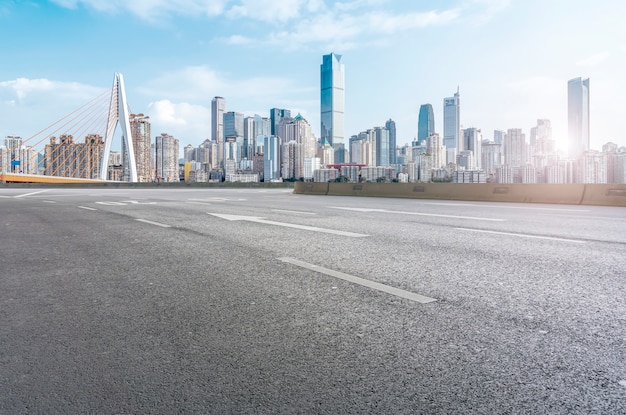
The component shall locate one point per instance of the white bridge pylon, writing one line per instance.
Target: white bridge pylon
(119, 114)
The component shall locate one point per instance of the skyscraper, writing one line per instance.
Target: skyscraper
(382, 146)
(140, 132)
(578, 116)
(332, 80)
(218, 107)
(276, 116)
(390, 125)
(515, 147)
(425, 123)
(452, 121)
(472, 141)
(166, 156)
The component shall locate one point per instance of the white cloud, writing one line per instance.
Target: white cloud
(201, 83)
(32, 106)
(185, 121)
(151, 9)
(593, 60)
(239, 40)
(268, 10)
(345, 30)
(32, 91)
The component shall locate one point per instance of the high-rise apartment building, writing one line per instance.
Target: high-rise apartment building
(140, 132)
(218, 108)
(298, 130)
(515, 147)
(390, 125)
(452, 121)
(578, 116)
(332, 97)
(166, 156)
(491, 157)
(435, 147)
(541, 137)
(425, 122)
(67, 158)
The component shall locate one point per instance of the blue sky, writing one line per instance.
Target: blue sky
(511, 59)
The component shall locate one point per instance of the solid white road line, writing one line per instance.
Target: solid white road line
(48, 201)
(32, 193)
(356, 280)
(293, 211)
(287, 225)
(153, 223)
(522, 235)
(87, 208)
(437, 215)
(505, 206)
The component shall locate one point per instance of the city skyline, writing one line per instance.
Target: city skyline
(260, 58)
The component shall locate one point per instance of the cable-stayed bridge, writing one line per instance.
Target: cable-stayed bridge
(76, 148)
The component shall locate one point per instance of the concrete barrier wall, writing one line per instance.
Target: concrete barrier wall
(571, 194)
(605, 195)
(311, 188)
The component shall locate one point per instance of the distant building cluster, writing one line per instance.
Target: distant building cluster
(282, 147)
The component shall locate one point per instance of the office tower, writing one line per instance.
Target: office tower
(276, 117)
(248, 137)
(166, 156)
(578, 116)
(382, 146)
(472, 141)
(515, 147)
(271, 166)
(452, 121)
(390, 125)
(425, 123)
(498, 136)
(218, 107)
(332, 93)
(233, 135)
(140, 133)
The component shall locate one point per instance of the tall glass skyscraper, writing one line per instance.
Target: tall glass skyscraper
(425, 122)
(332, 81)
(390, 125)
(578, 116)
(218, 107)
(452, 121)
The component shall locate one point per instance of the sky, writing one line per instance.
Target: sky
(510, 59)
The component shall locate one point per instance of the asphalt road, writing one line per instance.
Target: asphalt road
(133, 301)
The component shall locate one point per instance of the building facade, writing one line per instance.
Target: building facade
(166, 158)
(425, 122)
(452, 121)
(218, 108)
(578, 116)
(332, 100)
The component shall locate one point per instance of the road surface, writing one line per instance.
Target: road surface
(128, 301)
